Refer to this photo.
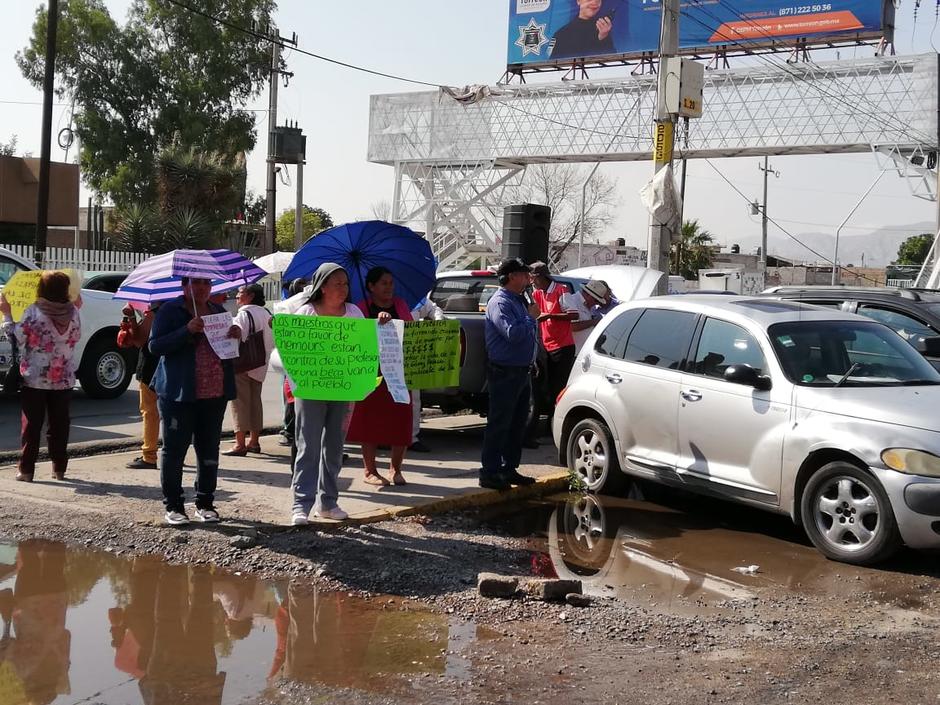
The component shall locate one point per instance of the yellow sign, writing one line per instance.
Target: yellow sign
(662, 147)
(22, 290)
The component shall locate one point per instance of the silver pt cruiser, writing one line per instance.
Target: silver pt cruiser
(825, 416)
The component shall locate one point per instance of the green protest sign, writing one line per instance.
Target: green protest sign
(328, 359)
(432, 354)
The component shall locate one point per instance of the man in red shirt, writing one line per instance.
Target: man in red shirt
(555, 328)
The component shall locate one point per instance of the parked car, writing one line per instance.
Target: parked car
(822, 415)
(104, 281)
(104, 370)
(463, 296)
(912, 313)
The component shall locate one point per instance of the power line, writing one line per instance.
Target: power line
(320, 57)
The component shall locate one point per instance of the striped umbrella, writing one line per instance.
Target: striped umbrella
(159, 278)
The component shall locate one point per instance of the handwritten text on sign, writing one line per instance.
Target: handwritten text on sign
(391, 360)
(432, 354)
(22, 290)
(217, 326)
(328, 359)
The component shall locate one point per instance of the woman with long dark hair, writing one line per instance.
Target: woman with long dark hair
(379, 419)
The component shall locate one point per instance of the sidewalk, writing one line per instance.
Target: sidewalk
(255, 490)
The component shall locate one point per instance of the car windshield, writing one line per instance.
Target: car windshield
(849, 354)
(464, 294)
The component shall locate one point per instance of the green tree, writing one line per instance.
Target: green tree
(8, 149)
(694, 251)
(165, 77)
(915, 249)
(136, 229)
(315, 220)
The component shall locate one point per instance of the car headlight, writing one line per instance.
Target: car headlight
(912, 462)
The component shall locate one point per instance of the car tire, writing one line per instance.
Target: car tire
(848, 516)
(592, 457)
(106, 369)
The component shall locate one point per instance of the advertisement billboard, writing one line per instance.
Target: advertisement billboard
(550, 31)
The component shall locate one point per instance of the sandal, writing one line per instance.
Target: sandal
(254, 449)
(24, 477)
(399, 479)
(238, 452)
(373, 478)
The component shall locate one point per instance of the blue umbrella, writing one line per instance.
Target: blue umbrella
(159, 278)
(358, 247)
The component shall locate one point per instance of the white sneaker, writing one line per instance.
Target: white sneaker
(175, 518)
(208, 515)
(299, 518)
(334, 513)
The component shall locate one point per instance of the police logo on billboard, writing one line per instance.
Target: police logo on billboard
(532, 38)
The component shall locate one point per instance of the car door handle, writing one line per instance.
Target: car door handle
(614, 378)
(691, 395)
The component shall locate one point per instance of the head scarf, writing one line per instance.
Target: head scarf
(320, 276)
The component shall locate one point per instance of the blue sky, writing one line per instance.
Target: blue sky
(458, 43)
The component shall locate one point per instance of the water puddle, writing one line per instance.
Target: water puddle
(81, 626)
(695, 555)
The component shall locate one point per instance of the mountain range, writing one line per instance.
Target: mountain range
(873, 249)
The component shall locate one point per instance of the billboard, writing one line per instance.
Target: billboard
(549, 31)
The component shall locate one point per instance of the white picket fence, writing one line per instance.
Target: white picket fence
(83, 260)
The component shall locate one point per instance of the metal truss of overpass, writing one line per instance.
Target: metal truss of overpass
(454, 159)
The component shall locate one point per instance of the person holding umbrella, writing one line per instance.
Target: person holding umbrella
(191, 405)
(379, 419)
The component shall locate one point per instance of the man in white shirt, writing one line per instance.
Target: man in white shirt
(590, 304)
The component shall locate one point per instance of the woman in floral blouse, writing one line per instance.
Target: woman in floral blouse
(46, 335)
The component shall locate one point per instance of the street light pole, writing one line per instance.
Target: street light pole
(45, 155)
(660, 236)
(763, 240)
(835, 254)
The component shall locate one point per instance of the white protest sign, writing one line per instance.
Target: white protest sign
(392, 361)
(216, 330)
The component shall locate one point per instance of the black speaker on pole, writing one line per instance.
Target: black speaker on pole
(525, 232)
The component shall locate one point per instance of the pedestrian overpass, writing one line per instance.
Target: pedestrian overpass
(455, 156)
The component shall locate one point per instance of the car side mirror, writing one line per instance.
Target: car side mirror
(928, 346)
(747, 375)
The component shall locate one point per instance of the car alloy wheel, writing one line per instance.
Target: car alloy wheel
(848, 516)
(592, 456)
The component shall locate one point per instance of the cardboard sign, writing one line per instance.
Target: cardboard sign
(391, 359)
(217, 326)
(326, 358)
(432, 354)
(22, 289)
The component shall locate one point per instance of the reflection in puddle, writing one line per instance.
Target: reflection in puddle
(84, 625)
(683, 561)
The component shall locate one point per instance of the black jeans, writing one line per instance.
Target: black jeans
(559, 366)
(198, 423)
(509, 389)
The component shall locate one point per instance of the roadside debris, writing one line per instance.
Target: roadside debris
(541, 589)
(747, 569)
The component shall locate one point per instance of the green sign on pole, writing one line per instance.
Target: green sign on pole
(328, 359)
(432, 354)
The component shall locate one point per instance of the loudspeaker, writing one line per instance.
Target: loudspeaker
(525, 232)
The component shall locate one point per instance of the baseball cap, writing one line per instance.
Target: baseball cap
(596, 289)
(540, 269)
(511, 266)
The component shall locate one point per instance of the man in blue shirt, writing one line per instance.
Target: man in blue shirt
(511, 339)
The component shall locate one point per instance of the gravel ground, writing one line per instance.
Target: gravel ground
(779, 646)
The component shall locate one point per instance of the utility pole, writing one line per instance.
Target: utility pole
(763, 211)
(271, 192)
(299, 209)
(45, 155)
(660, 237)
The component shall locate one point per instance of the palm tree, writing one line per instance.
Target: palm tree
(693, 251)
(136, 229)
(187, 229)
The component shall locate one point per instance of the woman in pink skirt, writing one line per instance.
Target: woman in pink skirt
(378, 419)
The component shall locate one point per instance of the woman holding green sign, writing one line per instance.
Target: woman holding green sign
(378, 419)
(319, 424)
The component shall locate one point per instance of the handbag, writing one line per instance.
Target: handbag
(13, 379)
(252, 352)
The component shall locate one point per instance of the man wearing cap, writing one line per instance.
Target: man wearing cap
(510, 333)
(555, 324)
(591, 304)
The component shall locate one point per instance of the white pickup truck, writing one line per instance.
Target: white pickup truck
(105, 369)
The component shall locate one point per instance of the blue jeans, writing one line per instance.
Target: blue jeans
(509, 389)
(183, 423)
